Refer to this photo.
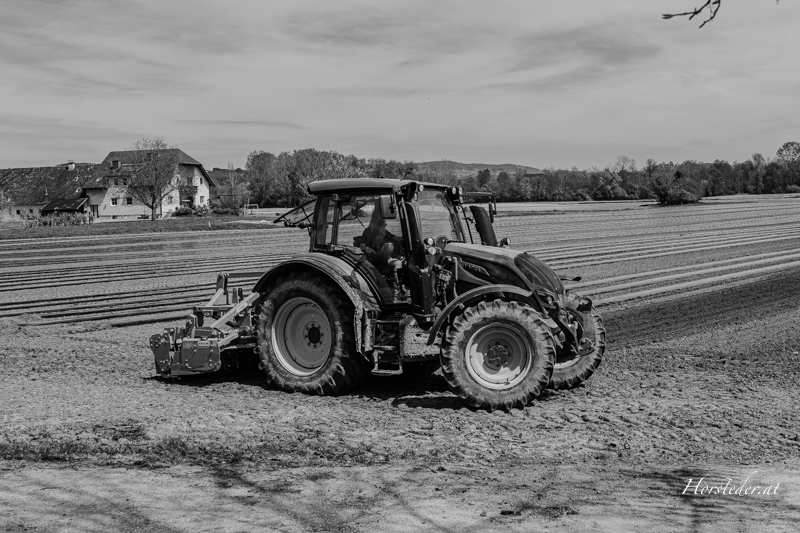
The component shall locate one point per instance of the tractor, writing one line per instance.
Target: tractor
(400, 277)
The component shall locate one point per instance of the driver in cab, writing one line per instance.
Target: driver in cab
(379, 241)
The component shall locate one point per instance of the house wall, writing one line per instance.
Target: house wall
(201, 198)
(103, 199)
(9, 212)
(198, 180)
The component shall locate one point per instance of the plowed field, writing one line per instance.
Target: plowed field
(700, 381)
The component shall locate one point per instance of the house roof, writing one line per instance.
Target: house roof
(37, 185)
(64, 204)
(220, 176)
(127, 157)
(349, 184)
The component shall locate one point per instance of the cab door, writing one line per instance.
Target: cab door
(351, 227)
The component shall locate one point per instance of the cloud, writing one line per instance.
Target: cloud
(407, 28)
(281, 124)
(33, 141)
(120, 46)
(606, 46)
(575, 57)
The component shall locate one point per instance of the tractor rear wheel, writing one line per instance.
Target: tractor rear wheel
(306, 336)
(571, 369)
(498, 355)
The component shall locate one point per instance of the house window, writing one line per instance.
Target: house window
(201, 199)
(169, 199)
(129, 201)
(19, 212)
(115, 164)
(124, 181)
(30, 210)
(116, 182)
(114, 201)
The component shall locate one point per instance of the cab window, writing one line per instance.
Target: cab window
(361, 226)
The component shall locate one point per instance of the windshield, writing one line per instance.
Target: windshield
(438, 216)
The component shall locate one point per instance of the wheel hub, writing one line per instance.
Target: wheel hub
(497, 356)
(312, 334)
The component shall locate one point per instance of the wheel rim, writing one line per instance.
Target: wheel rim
(499, 356)
(301, 336)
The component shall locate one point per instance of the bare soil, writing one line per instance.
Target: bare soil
(15, 231)
(695, 386)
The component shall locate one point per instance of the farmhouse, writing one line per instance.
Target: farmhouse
(108, 196)
(24, 191)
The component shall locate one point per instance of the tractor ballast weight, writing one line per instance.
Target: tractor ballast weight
(392, 277)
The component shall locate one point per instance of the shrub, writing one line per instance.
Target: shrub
(226, 211)
(581, 195)
(182, 212)
(793, 188)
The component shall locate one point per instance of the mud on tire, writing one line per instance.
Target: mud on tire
(483, 360)
(570, 371)
(306, 336)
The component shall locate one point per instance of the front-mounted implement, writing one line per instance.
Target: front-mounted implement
(394, 280)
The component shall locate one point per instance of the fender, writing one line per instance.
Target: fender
(351, 282)
(472, 294)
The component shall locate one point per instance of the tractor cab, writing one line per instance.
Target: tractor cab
(392, 232)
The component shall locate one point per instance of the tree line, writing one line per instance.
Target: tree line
(281, 180)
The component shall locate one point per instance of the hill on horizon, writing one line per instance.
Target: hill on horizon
(468, 169)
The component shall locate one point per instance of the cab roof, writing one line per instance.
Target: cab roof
(363, 184)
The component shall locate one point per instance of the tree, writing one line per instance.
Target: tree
(233, 189)
(154, 172)
(757, 165)
(789, 158)
(718, 178)
(484, 176)
(650, 168)
(381, 168)
(624, 167)
(441, 172)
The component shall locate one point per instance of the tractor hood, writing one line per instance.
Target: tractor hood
(519, 265)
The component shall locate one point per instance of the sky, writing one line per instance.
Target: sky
(542, 83)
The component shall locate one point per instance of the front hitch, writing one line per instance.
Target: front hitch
(577, 336)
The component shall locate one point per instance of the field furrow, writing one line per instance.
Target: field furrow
(624, 252)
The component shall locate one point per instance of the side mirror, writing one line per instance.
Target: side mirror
(388, 207)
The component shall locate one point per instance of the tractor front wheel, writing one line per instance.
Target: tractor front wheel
(498, 355)
(306, 336)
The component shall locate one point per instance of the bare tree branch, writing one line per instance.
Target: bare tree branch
(712, 6)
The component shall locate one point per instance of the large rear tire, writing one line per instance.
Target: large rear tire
(498, 355)
(571, 370)
(306, 336)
